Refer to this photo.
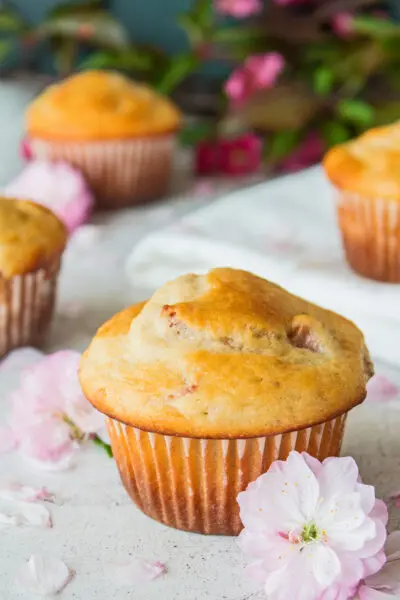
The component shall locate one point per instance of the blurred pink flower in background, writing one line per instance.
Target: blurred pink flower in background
(239, 8)
(287, 2)
(258, 72)
(207, 157)
(231, 156)
(305, 155)
(56, 185)
(25, 149)
(241, 155)
(342, 24)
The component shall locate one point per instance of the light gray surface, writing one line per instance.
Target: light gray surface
(94, 520)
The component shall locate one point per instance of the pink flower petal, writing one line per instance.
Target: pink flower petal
(48, 441)
(343, 24)
(136, 571)
(23, 493)
(83, 415)
(25, 514)
(8, 441)
(367, 593)
(20, 359)
(381, 389)
(44, 575)
(240, 9)
(58, 186)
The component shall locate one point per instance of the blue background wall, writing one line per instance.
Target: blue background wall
(151, 21)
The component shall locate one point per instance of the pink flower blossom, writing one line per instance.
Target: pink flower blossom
(313, 529)
(258, 72)
(380, 389)
(240, 9)
(25, 149)
(384, 585)
(49, 414)
(342, 24)
(306, 154)
(58, 186)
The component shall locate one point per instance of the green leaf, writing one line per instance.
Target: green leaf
(203, 13)
(5, 47)
(196, 132)
(68, 8)
(240, 40)
(377, 28)
(99, 442)
(335, 133)
(358, 112)
(388, 113)
(65, 51)
(130, 60)
(96, 27)
(323, 81)
(281, 145)
(192, 29)
(180, 67)
(11, 21)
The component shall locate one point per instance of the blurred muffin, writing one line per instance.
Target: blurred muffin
(210, 381)
(366, 173)
(32, 240)
(118, 133)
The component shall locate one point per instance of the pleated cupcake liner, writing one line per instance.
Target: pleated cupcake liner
(192, 484)
(26, 307)
(120, 172)
(371, 235)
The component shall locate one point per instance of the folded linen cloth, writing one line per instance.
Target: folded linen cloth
(284, 230)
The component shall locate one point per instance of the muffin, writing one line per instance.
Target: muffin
(32, 240)
(210, 381)
(120, 134)
(366, 174)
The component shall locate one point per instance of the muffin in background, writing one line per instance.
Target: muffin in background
(213, 379)
(119, 133)
(366, 174)
(32, 240)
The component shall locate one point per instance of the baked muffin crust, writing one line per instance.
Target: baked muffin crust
(30, 237)
(369, 165)
(100, 105)
(224, 355)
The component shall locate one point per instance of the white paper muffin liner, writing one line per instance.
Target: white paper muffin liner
(192, 484)
(26, 307)
(120, 172)
(371, 234)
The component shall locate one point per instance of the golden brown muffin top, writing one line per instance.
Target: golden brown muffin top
(369, 165)
(100, 105)
(30, 236)
(226, 354)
